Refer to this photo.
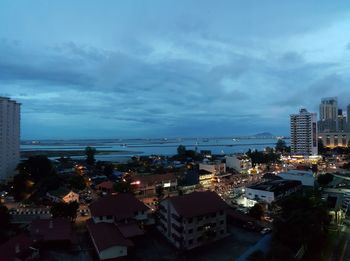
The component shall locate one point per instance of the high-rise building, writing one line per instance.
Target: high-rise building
(341, 121)
(9, 137)
(303, 129)
(348, 115)
(328, 114)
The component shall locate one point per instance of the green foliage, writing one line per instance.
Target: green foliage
(302, 222)
(257, 211)
(36, 167)
(181, 150)
(62, 209)
(90, 155)
(124, 186)
(108, 169)
(260, 157)
(159, 192)
(4, 218)
(21, 186)
(281, 146)
(77, 182)
(325, 179)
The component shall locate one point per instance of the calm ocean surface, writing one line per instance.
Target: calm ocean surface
(129, 147)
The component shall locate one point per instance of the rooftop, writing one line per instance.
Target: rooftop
(277, 186)
(197, 203)
(16, 245)
(123, 205)
(58, 229)
(106, 235)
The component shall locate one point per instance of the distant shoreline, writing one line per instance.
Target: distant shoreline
(71, 153)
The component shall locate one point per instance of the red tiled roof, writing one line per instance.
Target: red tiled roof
(122, 205)
(197, 203)
(58, 229)
(8, 250)
(153, 179)
(106, 235)
(130, 229)
(108, 185)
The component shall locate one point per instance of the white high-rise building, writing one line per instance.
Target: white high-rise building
(328, 114)
(303, 129)
(9, 137)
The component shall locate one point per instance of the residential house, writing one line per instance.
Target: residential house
(192, 220)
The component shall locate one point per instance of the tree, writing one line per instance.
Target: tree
(4, 218)
(36, 167)
(21, 186)
(67, 210)
(324, 179)
(257, 255)
(181, 150)
(321, 148)
(108, 169)
(77, 182)
(90, 155)
(257, 211)
(159, 192)
(281, 146)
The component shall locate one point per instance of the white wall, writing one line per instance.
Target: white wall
(113, 252)
(266, 196)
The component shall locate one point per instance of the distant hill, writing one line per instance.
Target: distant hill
(264, 134)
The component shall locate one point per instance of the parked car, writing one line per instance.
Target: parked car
(265, 230)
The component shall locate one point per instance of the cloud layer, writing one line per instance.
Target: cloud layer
(157, 69)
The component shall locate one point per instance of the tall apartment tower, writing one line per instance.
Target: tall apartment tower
(348, 115)
(303, 129)
(341, 121)
(9, 137)
(328, 115)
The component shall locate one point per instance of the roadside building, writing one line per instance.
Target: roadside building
(105, 186)
(240, 162)
(115, 220)
(334, 139)
(192, 220)
(19, 248)
(63, 195)
(271, 191)
(305, 177)
(52, 231)
(146, 184)
(213, 167)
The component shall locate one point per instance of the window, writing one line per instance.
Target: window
(199, 218)
(101, 218)
(221, 212)
(213, 215)
(190, 220)
(109, 217)
(190, 231)
(190, 242)
(221, 222)
(221, 231)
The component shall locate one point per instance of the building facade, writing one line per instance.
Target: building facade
(9, 137)
(240, 163)
(328, 114)
(335, 139)
(303, 129)
(193, 219)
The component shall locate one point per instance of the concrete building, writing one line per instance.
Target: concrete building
(328, 114)
(241, 163)
(9, 137)
(348, 115)
(116, 219)
(303, 129)
(145, 185)
(213, 167)
(271, 191)
(335, 139)
(63, 195)
(305, 177)
(341, 121)
(193, 219)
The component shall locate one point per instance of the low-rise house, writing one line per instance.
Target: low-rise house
(108, 240)
(115, 220)
(19, 248)
(270, 191)
(146, 184)
(240, 162)
(106, 186)
(213, 167)
(194, 219)
(54, 231)
(305, 177)
(63, 194)
(27, 215)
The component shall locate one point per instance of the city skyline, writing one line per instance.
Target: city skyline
(159, 69)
